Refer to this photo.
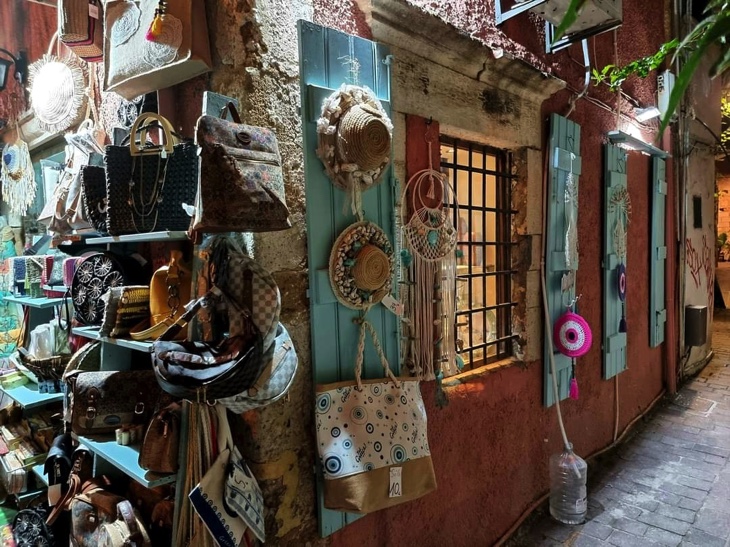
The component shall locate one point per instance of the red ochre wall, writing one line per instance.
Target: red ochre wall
(491, 444)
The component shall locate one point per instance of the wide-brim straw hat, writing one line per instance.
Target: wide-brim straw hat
(57, 92)
(355, 135)
(361, 266)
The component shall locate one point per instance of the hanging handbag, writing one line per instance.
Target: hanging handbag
(161, 445)
(104, 401)
(372, 439)
(170, 289)
(206, 371)
(241, 185)
(229, 479)
(93, 194)
(146, 185)
(274, 382)
(124, 308)
(57, 467)
(81, 28)
(179, 50)
(52, 274)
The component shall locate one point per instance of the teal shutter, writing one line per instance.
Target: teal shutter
(614, 342)
(564, 158)
(326, 59)
(657, 298)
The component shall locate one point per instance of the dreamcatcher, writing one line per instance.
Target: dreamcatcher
(620, 204)
(429, 242)
(18, 178)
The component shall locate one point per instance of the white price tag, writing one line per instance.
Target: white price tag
(393, 305)
(396, 487)
(93, 11)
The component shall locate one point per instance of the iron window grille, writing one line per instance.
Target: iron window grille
(482, 182)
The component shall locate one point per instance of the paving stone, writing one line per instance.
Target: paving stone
(717, 460)
(692, 505)
(714, 450)
(597, 530)
(701, 538)
(699, 484)
(556, 531)
(677, 513)
(622, 539)
(713, 522)
(679, 443)
(588, 541)
(663, 537)
(685, 491)
(696, 473)
(631, 526)
(665, 523)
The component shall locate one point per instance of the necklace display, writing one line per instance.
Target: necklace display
(150, 206)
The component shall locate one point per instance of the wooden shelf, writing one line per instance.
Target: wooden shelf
(41, 302)
(124, 458)
(29, 397)
(140, 238)
(93, 334)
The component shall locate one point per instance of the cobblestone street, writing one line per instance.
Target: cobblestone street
(670, 483)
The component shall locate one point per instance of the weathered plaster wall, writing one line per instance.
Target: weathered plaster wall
(723, 204)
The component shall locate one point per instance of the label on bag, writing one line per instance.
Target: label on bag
(392, 304)
(395, 490)
(93, 11)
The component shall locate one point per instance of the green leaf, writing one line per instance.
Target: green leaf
(571, 14)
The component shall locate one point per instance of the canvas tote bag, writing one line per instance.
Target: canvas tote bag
(134, 65)
(372, 439)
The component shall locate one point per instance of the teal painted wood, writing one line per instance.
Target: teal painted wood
(564, 141)
(657, 298)
(614, 342)
(323, 54)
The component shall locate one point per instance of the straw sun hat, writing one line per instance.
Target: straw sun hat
(354, 137)
(361, 265)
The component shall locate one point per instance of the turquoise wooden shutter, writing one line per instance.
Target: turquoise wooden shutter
(614, 342)
(564, 159)
(326, 62)
(657, 298)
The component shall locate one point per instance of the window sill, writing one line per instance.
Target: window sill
(464, 377)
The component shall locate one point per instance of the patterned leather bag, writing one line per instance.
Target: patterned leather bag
(241, 185)
(161, 444)
(146, 185)
(104, 401)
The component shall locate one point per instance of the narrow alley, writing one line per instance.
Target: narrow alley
(669, 484)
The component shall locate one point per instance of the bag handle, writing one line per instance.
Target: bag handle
(126, 513)
(230, 107)
(366, 326)
(139, 124)
(190, 310)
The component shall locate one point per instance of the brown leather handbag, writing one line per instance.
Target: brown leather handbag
(240, 185)
(161, 443)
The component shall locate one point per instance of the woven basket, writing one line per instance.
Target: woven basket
(50, 368)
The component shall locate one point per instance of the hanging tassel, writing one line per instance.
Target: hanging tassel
(622, 323)
(442, 399)
(156, 26)
(573, 389)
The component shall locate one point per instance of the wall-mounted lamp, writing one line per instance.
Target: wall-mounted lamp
(646, 114)
(632, 143)
(21, 67)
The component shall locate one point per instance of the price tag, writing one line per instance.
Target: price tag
(396, 487)
(393, 305)
(93, 11)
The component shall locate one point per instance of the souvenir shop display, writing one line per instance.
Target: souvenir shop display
(81, 28)
(241, 185)
(153, 45)
(146, 185)
(57, 91)
(18, 177)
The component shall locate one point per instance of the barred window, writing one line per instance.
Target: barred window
(481, 178)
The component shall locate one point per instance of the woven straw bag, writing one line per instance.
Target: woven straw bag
(81, 27)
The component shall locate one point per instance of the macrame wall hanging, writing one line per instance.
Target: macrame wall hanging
(18, 177)
(429, 238)
(620, 205)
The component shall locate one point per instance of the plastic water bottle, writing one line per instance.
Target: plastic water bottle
(568, 494)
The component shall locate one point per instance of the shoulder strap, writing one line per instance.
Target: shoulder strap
(230, 107)
(126, 513)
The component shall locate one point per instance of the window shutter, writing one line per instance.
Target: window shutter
(614, 342)
(657, 306)
(564, 158)
(326, 60)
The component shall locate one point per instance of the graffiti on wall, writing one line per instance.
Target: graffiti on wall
(700, 261)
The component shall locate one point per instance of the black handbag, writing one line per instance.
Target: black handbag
(58, 462)
(207, 371)
(147, 185)
(93, 195)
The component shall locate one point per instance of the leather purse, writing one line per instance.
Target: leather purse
(161, 444)
(241, 185)
(104, 401)
(58, 462)
(170, 289)
(124, 308)
(206, 371)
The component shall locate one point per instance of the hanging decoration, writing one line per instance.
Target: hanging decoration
(572, 337)
(571, 221)
(429, 237)
(18, 177)
(620, 205)
(354, 141)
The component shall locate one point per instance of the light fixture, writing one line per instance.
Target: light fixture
(646, 114)
(632, 143)
(21, 67)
